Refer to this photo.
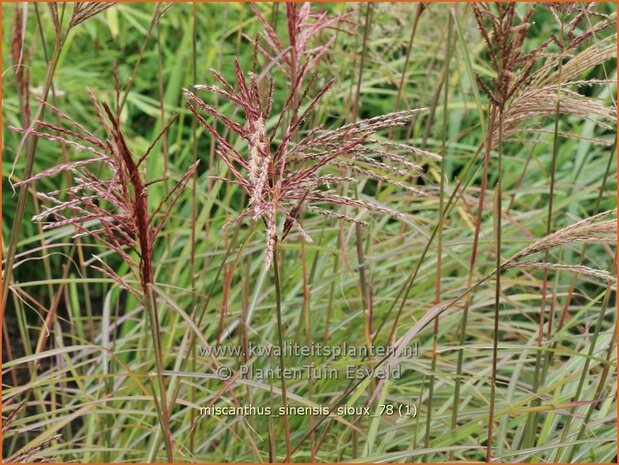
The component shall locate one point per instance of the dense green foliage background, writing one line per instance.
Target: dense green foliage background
(74, 401)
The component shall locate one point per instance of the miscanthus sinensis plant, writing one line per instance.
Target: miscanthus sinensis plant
(109, 196)
(108, 201)
(286, 167)
(531, 84)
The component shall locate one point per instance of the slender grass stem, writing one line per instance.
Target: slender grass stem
(469, 281)
(409, 49)
(497, 290)
(439, 257)
(363, 269)
(282, 366)
(362, 265)
(532, 419)
(194, 205)
(136, 66)
(199, 317)
(30, 141)
(164, 412)
(307, 325)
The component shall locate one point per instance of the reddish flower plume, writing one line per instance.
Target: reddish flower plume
(111, 202)
(282, 175)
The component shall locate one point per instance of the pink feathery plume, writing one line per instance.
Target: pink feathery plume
(111, 205)
(283, 172)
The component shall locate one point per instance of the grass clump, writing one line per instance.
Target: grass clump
(287, 175)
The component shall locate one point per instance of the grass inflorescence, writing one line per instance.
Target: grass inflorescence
(185, 182)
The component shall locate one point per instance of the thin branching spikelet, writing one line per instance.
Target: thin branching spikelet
(602, 275)
(82, 11)
(30, 455)
(85, 10)
(304, 27)
(587, 230)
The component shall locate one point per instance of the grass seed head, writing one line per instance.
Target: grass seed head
(283, 176)
(109, 204)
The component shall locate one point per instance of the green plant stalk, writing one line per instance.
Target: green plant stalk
(308, 335)
(497, 289)
(31, 142)
(469, 282)
(45, 255)
(442, 78)
(192, 336)
(131, 79)
(194, 213)
(439, 259)
(6, 340)
(464, 47)
(162, 404)
(409, 48)
(106, 438)
(362, 265)
(363, 281)
(533, 416)
(280, 332)
(326, 333)
(211, 157)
